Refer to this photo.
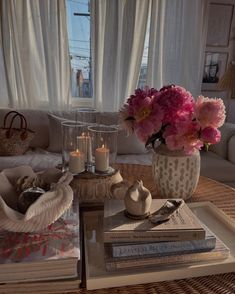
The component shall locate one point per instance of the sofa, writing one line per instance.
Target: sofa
(45, 149)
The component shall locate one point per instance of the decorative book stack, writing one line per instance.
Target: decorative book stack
(134, 243)
(38, 260)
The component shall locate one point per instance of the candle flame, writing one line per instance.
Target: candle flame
(102, 146)
(77, 150)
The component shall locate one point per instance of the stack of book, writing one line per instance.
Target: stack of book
(44, 261)
(132, 243)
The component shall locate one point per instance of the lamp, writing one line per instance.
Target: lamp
(227, 81)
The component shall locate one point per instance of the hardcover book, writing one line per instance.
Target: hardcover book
(183, 225)
(53, 253)
(128, 250)
(41, 287)
(219, 252)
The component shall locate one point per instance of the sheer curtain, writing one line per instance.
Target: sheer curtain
(118, 33)
(35, 53)
(177, 43)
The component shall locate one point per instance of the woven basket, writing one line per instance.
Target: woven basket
(15, 140)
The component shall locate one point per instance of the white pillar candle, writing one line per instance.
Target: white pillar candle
(84, 145)
(76, 162)
(102, 159)
(81, 143)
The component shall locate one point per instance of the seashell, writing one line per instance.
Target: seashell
(28, 197)
(138, 199)
(44, 211)
(166, 211)
(26, 182)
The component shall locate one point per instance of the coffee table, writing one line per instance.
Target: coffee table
(208, 190)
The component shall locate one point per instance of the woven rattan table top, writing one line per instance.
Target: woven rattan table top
(208, 190)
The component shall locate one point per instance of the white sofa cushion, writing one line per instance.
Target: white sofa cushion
(55, 131)
(227, 131)
(125, 144)
(216, 167)
(231, 149)
(39, 160)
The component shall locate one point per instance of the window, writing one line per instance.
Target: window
(78, 19)
(79, 34)
(144, 63)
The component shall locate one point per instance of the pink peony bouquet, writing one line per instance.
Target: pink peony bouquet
(172, 116)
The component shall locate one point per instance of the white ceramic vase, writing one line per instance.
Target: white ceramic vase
(176, 175)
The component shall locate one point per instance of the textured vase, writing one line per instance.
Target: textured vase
(176, 174)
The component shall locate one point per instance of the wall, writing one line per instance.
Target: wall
(230, 51)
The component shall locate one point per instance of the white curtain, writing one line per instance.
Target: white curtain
(35, 53)
(177, 43)
(118, 34)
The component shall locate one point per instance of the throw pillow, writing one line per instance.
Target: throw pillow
(125, 144)
(221, 148)
(55, 132)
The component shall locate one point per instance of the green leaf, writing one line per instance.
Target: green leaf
(207, 145)
(151, 140)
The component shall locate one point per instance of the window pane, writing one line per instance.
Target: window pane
(144, 63)
(78, 19)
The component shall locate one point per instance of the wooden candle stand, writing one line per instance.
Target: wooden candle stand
(92, 188)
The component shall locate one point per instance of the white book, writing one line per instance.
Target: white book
(183, 225)
(53, 253)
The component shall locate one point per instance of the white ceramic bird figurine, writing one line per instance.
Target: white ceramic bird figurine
(138, 200)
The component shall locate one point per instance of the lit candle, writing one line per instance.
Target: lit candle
(102, 159)
(76, 162)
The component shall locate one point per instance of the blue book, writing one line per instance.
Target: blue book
(137, 249)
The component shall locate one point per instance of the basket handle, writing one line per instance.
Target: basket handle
(23, 125)
(6, 116)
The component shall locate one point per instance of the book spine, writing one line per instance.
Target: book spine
(162, 248)
(153, 236)
(169, 260)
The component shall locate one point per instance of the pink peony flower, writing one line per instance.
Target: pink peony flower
(172, 116)
(135, 101)
(183, 136)
(176, 102)
(210, 135)
(146, 113)
(210, 112)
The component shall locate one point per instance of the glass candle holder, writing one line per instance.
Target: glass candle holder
(86, 115)
(104, 147)
(76, 147)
